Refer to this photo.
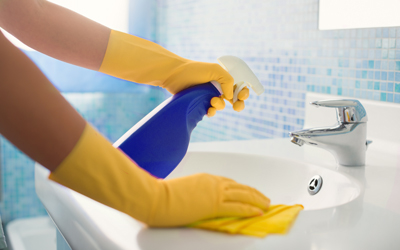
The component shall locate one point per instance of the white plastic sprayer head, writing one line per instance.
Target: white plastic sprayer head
(242, 74)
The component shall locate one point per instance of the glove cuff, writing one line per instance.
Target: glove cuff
(138, 60)
(101, 172)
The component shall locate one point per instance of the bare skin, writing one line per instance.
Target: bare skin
(55, 31)
(39, 121)
(34, 116)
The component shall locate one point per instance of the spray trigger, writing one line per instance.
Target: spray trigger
(242, 74)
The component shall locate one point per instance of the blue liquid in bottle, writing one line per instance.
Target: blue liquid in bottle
(160, 140)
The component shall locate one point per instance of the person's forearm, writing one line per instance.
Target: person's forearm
(34, 116)
(55, 31)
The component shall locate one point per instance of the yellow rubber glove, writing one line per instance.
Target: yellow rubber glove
(277, 219)
(99, 171)
(135, 59)
(218, 103)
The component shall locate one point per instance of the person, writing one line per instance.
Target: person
(36, 118)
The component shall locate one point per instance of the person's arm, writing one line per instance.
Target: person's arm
(70, 37)
(34, 116)
(37, 119)
(55, 31)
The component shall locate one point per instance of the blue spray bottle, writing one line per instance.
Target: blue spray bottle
(159, 141)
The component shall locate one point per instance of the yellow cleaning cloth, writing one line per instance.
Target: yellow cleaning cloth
(276, 220)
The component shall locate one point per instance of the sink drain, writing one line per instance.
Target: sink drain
(315, 184)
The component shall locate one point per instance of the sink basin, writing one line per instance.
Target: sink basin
(283, 181)
(87, 224)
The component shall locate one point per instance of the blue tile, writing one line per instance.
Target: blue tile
(392, 32)
(371, 43)
(370, 84)
(397, 98)
(378, 54)
(371, 63)
(365, 53)
(383, 86)
(364, 84)
(392, 43)
(357, 84)
(398, 65)
(384, 75)
(339, 91)
(377, 75)
(391, 76)
(391, 54)
(371, 54)
(397, 88)
(397, 56)
(385, 43)
(364, 74)
(384, 54)
(372, 32)
(370, 74)
(359, 53)
(397, 77)
(392, 65)
(376, 85)
(385, 65)
(376, 96)
(390, 86)
(379, 32)
(378, 43)
(389, 97)
(377, 64)
(385, 32)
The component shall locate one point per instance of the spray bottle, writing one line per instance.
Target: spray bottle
(159, 141)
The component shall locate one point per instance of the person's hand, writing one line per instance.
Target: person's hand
(203, 196)
(135, 59)
(218, 103)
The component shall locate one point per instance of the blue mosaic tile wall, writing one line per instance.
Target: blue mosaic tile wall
(280, 41)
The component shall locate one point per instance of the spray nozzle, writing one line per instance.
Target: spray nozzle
(242, 74)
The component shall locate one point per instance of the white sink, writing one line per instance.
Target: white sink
(356, 208)
(87, 224)
(283, 181)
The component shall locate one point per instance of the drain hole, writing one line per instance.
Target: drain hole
(315, 184)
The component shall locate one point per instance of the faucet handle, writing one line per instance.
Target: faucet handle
(347, 110)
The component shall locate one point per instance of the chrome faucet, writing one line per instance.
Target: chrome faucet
(346, 140)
